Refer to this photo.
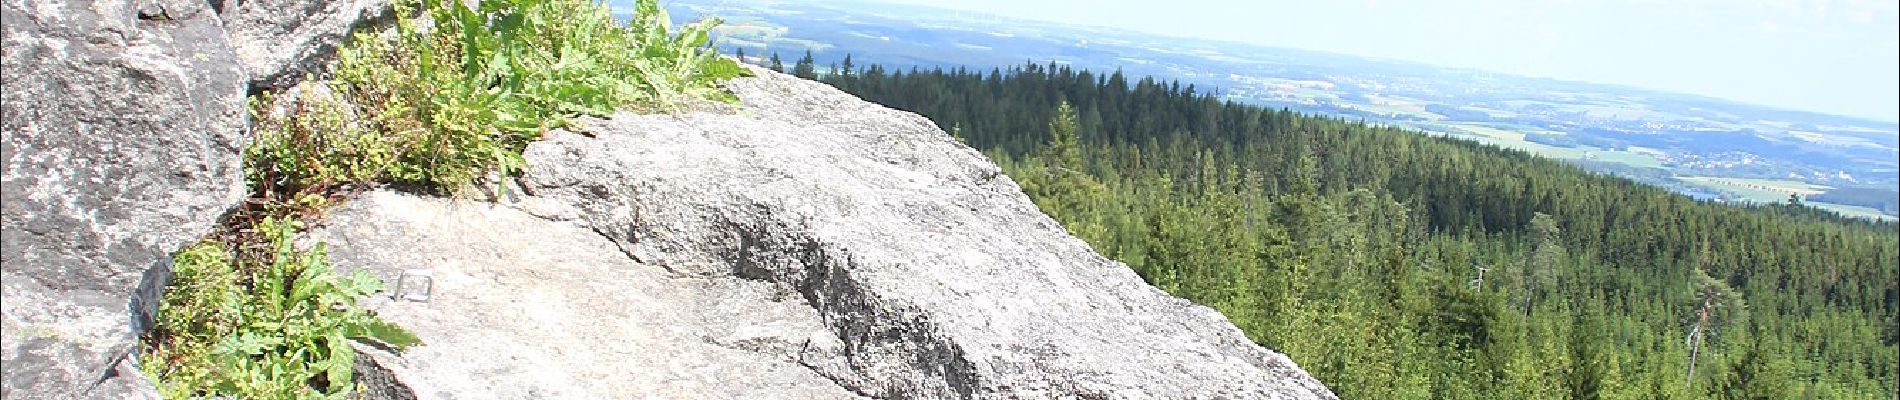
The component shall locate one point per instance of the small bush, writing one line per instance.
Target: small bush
(269, 323)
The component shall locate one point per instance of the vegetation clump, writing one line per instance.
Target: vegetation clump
(441, 104)
(272, 322)
(443, 101)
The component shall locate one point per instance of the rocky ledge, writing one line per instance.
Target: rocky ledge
(808, 245)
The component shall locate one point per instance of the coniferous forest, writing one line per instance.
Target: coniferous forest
(1393, 265)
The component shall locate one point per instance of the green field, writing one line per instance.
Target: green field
(1749, 192)
(1510, 138)
(1778, 190)
(1567, 153)
(1396, 106)
(1853, 211)
(756, 29)
(1633, 159)
(1490, 132)
(1757, 190)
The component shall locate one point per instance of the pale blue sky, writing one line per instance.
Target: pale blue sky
(1832, 56)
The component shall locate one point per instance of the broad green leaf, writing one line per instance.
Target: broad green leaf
(386, 333)
(342, 360)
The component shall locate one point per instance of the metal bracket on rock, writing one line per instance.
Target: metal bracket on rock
(414, 285)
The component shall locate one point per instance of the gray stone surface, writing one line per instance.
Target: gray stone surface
(934, 275)
(527, 308)
(121, 124)
(282, 41)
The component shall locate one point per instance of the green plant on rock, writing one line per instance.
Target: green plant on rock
(679, 67)
(311, 148)
(263, 323)
(444, 103)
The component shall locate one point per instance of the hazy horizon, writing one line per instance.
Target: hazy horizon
(1835, 57)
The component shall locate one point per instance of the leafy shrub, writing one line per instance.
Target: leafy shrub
(444, 103)
(269, 323)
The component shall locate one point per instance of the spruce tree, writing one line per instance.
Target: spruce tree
(805, 68)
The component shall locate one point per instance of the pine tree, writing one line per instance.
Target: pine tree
(776, 65)
(805, 67)
(1716, 303)
(1065, 143)
(1546, 252)
(1757, 376)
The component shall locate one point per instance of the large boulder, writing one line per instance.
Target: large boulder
(122, 123)
(809, 241)
(282, 41)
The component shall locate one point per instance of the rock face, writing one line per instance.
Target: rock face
(523, 307)
(282, 41)
(812, 242)
(122, 127)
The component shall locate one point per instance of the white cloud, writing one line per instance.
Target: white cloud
(1864, 17)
